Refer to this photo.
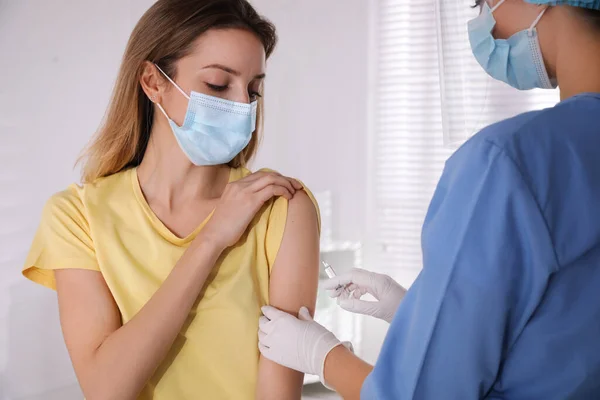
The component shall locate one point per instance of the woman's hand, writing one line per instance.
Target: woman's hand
(240, 202)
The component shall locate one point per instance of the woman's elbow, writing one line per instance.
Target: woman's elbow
(97, 385)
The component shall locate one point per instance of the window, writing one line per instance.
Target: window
(429, 96)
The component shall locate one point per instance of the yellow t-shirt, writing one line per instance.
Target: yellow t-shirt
(109, 227)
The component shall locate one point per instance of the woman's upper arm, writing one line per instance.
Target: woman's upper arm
(295, 274)
(88, 315)
(293, 284)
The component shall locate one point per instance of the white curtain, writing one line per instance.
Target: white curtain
(430, 96)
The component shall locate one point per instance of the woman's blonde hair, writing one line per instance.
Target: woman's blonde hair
(164, 35)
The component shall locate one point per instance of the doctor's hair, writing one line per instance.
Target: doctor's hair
(165, 34)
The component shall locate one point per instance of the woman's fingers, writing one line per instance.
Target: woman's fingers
(272, 180)
(271, 191)
(259, 180)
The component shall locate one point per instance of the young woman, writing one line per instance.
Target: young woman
(164, 257)
(507, 304)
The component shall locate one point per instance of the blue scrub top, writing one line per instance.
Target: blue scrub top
(507, 305)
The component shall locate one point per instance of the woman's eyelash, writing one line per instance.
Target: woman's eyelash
(217, 88)
(477, 3)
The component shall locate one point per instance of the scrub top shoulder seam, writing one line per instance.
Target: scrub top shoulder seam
(514, 163)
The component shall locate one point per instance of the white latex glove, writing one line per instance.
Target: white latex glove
(297, 343)
(350, 287)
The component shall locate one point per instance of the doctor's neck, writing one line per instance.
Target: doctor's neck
(577, 53)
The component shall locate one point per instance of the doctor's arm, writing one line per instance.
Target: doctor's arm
(293, 283)
(487, 259)
(345, 372)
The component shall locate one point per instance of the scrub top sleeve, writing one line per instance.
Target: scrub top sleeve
(487, 258)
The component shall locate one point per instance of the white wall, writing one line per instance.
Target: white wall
(59, 60)
(317, 101)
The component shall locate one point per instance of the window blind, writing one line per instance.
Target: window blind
(430, 95)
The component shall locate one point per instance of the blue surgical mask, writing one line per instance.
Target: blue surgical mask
(516, 61)
(214, 130)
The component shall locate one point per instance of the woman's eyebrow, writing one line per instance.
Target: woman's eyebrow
(232, 71)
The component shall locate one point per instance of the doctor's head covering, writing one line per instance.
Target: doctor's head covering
(589, 4)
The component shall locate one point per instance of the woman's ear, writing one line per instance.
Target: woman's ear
(153, 84)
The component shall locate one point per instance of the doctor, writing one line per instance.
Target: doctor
(507, 305)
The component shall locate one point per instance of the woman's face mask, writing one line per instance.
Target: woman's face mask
(214, 130)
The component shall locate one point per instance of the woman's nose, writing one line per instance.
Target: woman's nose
(240, 96)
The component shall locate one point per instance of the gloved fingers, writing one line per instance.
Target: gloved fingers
(333, 283)
(263, 338)
(351, 304)
(356, 276)
(358, 293)
(348, 345)
(265, 325)
(350, 281)
(352, 287)
(369, 282)
(344, 296)
(335, 292)
(363, 278)
(264, 350)
(272, 313)
(304, 314)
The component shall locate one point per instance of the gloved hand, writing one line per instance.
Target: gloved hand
(350, 287)
(297, 343)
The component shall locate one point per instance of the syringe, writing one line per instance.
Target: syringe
(331, 273)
